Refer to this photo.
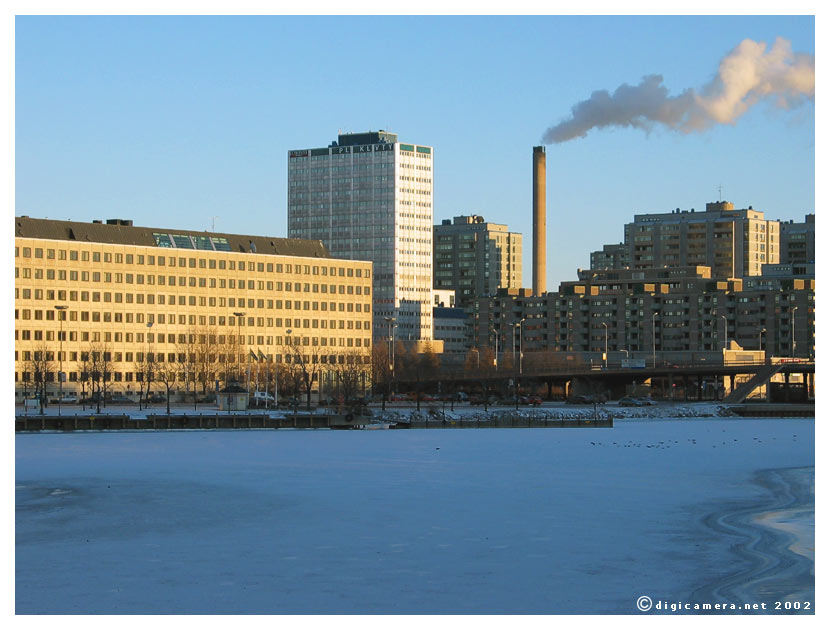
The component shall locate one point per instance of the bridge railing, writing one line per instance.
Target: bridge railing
(530, 371)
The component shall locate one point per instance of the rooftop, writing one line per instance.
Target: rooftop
(122, 232)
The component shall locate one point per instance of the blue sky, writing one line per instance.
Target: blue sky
(171, 121)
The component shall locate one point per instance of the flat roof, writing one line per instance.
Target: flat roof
(165, 238)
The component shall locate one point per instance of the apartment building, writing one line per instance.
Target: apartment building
(610, 257)
(681, 309)
(136, 293)
(733, 243)
(798, 242)
(368, 196)
(476, 258)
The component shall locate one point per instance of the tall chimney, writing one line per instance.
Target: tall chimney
(539, 222)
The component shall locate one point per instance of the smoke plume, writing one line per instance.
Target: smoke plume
(748, 75)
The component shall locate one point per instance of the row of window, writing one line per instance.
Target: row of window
(192, 263)
(106, 277)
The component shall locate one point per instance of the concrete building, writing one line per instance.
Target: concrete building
(476, 258)
(451, 329)
(610, 257)
(135, 293)
(648, 312)
(733, 243)
(798, 241)
(368, 196)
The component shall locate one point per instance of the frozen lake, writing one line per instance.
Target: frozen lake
(482, 521)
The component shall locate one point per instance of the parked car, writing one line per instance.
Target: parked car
(579, 400)
(208, 398)
(154, 398)
(68, 399)
(262, 397)
(645, 401)
(627, 401)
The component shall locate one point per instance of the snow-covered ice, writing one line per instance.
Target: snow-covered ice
(414, 521)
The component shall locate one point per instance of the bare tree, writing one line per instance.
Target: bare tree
(382, 370)
(41, 366)
(144, 368)
(99, 358)
(166, 373)
(350, 371)
(290, 380)
(418, 366)
(188, 363)
(209, 345)
(480, 363)
(307, 360)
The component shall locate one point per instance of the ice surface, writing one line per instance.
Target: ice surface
(419, 521)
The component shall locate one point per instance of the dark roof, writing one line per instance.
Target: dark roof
(26, 227)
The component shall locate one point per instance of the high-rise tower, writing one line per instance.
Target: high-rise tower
(369, 197)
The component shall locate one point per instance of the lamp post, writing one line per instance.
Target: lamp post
(654, 340)
(606, 344)
(288, 332)
(521, 321)
(626, 353)
(792, 328)
(760, 335)
(478, 358)
(147, 362)
(239, 316)
(496, 335)
(60, 308)
(390, 321)
(519, 324)
(723, 317)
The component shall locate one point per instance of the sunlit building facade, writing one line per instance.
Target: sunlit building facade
(368, 196)
(136, 292)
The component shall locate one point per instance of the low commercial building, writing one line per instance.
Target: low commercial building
(197, 305)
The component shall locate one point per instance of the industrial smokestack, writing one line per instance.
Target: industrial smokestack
(539, 221)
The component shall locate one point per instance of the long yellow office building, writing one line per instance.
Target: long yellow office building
(141, 293)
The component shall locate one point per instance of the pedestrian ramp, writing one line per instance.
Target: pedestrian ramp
(761, 378)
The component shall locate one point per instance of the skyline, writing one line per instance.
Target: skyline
(151, 119)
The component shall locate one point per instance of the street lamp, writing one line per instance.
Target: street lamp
(654, 340)
(723, 317)
(792, 328)
(239, 316)
(60, 308)
(521, 321)
(519, 324)
(496, 335)
(760, 334)
(390, 321)
(606, 344)
(147, 362)
(478, 358)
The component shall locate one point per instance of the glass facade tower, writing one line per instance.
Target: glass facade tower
(369, 197)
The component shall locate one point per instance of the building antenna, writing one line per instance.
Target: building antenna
(213, 223)
(720, 192)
